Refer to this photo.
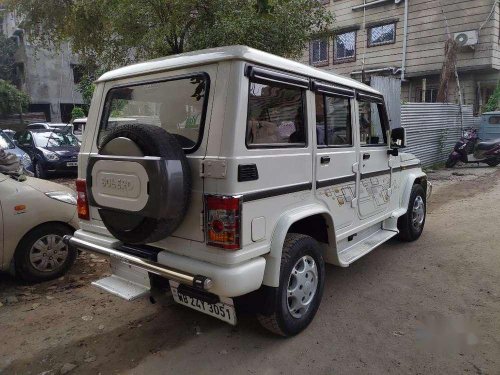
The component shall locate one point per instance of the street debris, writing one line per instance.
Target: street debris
(66, 368)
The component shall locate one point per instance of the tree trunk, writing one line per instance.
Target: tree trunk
(448, 70)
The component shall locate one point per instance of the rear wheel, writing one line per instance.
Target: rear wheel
(493, 162)
(298, 296)
(41, 255)
(412, 223)
(451, 162)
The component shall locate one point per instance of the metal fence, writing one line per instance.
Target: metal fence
(432, 129)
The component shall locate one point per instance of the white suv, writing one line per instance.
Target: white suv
(243, 174)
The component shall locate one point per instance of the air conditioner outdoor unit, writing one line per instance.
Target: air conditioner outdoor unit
(467, 38)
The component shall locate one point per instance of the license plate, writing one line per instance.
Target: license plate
(223, 310)
(72, 164)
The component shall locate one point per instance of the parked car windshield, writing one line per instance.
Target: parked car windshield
(177, 105)
(5, 142)
(55, 139)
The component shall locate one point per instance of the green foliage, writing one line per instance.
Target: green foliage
(494, 101)
(7, 60)
(114, 32)
(77, 112)
(11, 99)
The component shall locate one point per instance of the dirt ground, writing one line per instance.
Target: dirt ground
(432, 306)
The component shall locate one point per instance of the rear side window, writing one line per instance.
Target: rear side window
(333, 121)
(494, 120)
(275, 116)
(177, 105)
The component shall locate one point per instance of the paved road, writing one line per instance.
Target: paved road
(432, 306)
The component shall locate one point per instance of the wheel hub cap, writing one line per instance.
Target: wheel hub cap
(48, 253)
(302, 286)
(418, 213)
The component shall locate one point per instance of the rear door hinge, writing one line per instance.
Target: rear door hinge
(213, 168)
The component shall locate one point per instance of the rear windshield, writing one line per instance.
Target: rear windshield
(177, 105)
(53, 139)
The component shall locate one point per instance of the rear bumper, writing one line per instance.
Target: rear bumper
(197, 281)
(223, 280)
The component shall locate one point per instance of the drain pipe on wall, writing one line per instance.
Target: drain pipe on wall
(405, 41)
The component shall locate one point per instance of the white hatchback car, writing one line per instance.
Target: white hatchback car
(34, 216)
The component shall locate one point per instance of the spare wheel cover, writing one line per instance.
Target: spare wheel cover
(168, 191)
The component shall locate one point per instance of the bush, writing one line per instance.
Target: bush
(12, 100)
(77, 112)
(494, 101)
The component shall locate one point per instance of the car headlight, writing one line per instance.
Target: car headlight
(26, 161)
(62, 196)
(49, 155)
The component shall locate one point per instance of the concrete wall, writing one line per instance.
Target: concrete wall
(45, 75)
(425, 43)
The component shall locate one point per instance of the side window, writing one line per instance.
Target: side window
(333, 121)
(275, 115)
(372, 125)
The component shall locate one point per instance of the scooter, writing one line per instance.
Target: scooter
(469, 149)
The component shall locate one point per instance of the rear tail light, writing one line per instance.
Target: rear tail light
(82, 203)
(223, 221)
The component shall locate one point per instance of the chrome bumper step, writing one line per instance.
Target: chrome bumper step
(197, 281)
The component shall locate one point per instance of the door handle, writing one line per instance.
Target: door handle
(325, 159)
(366, 156)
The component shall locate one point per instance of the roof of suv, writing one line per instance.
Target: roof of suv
(214, 55)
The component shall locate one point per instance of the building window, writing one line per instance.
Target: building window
(382, 34)
(428, 95)
(345, 47)
(319, 52)
(78, 72)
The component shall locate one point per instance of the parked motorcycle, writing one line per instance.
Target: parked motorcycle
(469, 149)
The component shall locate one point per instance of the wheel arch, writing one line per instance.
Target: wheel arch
(67, 225)
(411, 179)
(313, 220)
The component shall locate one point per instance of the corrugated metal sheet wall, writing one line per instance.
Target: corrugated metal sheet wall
(432, 129)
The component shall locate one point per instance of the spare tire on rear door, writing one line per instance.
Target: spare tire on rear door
(141, 183)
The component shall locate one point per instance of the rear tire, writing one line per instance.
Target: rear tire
(493, 162)
(298, 296)
(412, 223)
(450, 163)
(41, 255)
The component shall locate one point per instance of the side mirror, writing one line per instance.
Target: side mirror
(398, 138)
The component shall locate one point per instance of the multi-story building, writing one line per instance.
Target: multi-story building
(49, 77)
(405, 39)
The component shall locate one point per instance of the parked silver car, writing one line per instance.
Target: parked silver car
(34, 216)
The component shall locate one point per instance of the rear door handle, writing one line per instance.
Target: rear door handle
(325, 159)
(366, 156)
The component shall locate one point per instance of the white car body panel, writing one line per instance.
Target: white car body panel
(378, 187)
